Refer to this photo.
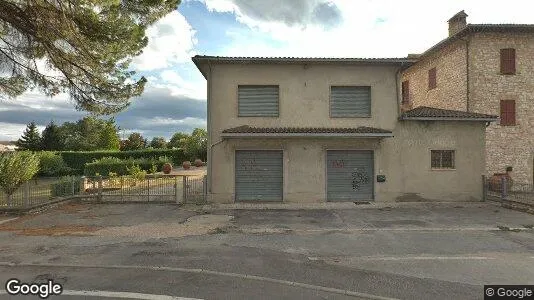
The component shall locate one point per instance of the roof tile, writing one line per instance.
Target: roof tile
(249, 129)
(437, 113)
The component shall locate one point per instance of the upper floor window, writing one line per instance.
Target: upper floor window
(350, 101)
(508, 61)
(405, 92)
(442, 159)
(432, 79)
(258, 100)
(507, 112)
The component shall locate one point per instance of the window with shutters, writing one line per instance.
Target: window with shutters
(432, 80)
(507, 112)
(508, 61)
(258, 100)
(350, 101)
(442, 159)
(405, 92)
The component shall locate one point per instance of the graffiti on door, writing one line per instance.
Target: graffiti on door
(249, 165)
(338, 164)
(359, 178)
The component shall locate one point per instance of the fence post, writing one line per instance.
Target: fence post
(205, 188)
(72, 182)
(99, 188)
(26, 194)
(82, 184)
(504, 188)
(484, 188)
(148, 188)
(184, 187)
(122, 188)
(176, 190)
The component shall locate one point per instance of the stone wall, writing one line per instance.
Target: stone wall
(505, 145)
(450, 93)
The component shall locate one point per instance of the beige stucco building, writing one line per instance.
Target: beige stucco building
(483, 68)
(316, 130)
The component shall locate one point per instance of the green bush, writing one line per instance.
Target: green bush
(65, 186)
(118, 166)
(76, 160)
(52, 164)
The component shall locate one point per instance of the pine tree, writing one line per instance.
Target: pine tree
(89, 45)
(30, 139)
(51, 139)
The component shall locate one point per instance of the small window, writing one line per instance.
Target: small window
(405, 92)
(508, 61)
(350, 101)
(507, 113)
(258, 100)
(442, 159)
(432, 80)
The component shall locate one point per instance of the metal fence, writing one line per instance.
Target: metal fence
(504, 189)
(151, 188)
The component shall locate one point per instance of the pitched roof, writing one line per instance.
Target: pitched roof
(424, 113)
(246, 130)
(471, 28)
(297, 60)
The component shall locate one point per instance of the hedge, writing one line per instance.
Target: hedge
(115, 165)
(76, 160)
(65, 187)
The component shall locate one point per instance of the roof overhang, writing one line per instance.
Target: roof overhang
(448, 119)
(305, 135)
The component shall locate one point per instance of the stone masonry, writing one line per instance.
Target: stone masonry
(505, 145)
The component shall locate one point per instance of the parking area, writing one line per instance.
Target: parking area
(415, 251)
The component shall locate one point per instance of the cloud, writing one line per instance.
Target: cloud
(300, 13)
(170, 41)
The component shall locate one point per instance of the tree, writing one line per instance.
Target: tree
(158, 142)
(134, 142)
(86, 45)
(197, 144)
(178, 140)
(15, 169)
(30, 139)
(89, 134)
(52, 139)
(109, 136)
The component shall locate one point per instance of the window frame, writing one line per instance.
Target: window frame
(432, 78)
(508, 61)
(510, 117)
(239, 115)
(369, 87)
(441, 165)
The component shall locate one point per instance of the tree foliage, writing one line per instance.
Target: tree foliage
(84, 48)
(89, 134)
(178, 140)
(158, 142)
(195, 146)
(30, 139)
(52, 139)
(134, 142)
(15, 169)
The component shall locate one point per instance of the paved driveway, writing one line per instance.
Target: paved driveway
(147, 251)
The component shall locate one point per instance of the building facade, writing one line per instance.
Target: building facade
(483, 68)
(316, 130)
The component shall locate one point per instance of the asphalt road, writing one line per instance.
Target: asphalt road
(162, 251)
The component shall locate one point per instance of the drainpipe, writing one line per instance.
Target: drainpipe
(399, 99)
(467, 98)
(208, 125)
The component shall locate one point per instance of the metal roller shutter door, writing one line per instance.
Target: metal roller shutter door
(259, 175)
(350, 175)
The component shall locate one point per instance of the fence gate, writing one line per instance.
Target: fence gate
(195, 189)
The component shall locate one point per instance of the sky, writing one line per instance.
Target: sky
(175, 95)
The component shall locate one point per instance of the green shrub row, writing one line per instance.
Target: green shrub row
(107, 165)
(76, 160)
(51, 164)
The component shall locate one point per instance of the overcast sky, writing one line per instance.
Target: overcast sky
(175, 96)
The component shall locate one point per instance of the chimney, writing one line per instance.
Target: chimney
(457, 23)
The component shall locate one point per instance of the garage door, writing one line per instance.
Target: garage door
(259, 175)
(349, 175)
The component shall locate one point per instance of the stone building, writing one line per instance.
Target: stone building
(482, 68)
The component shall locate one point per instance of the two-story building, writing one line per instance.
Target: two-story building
(331, 129)
(483, 68)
